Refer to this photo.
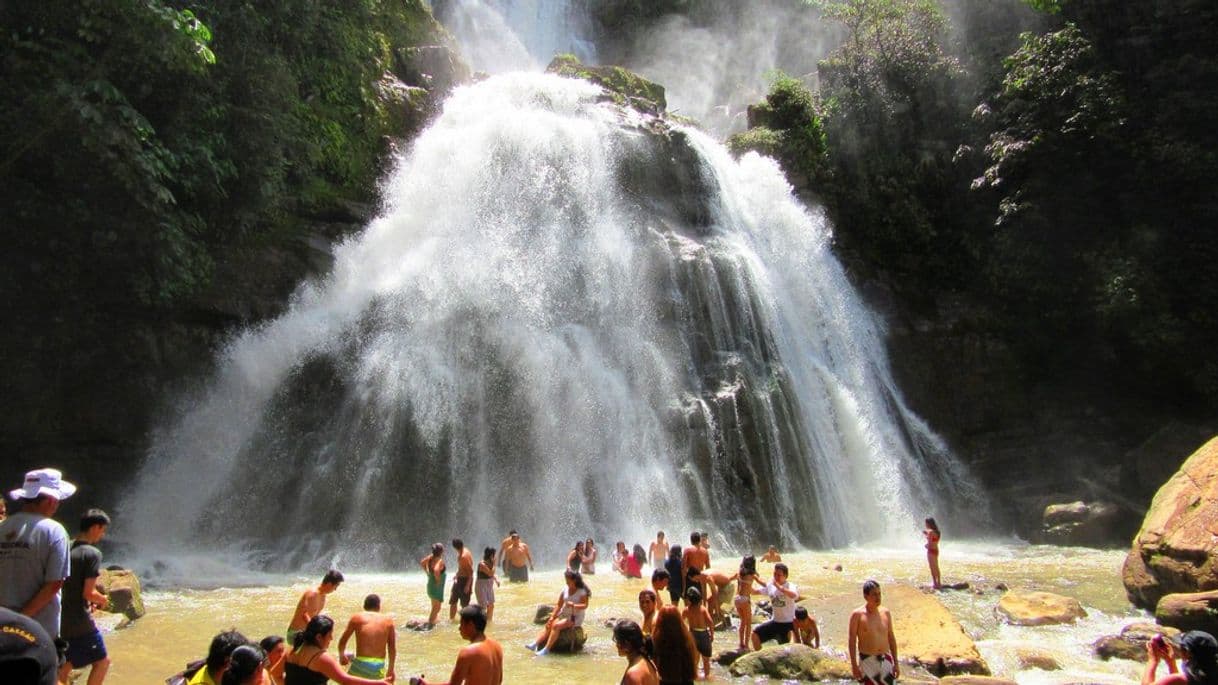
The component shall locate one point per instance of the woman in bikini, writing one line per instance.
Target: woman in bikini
(932, 550)
(433, 566)
(746, 579)
(309, 664)
(576, 557)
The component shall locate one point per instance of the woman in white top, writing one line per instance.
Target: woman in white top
(568, 612)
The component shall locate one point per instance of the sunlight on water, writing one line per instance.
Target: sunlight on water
(180, 622)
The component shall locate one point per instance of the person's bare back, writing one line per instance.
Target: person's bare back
(373, 633)
(480, 663)
(311, 604)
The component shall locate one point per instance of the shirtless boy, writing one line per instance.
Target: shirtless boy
(312, 602)
(479, 663)
(694, 561)
(806, 632)
(872, 645)
(463, 583)
(659, 583)
(516, 559)
(658, 551)
(374, 637)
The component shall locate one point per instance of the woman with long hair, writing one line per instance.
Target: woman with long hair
(632, 566)
(484, 586)
(576, 556)
(640, 669)
(746, 579)
(587, 562)
(310, 664)
(932, 536)
(433, 566)
(673, 649)
(568, 612)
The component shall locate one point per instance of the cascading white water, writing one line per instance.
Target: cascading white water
(498, 36)
(570, 319)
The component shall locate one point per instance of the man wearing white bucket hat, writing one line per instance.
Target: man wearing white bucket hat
(34, 549)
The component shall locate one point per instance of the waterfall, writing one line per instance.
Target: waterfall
(571, 319)
(497, 36)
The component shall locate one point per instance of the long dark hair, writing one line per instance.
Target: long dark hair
(1201, 657)
(676, 657)
(243, 663)
(318, 625)
(639, 555)
(930, 523)
(579, 581)
(748, 566)
(628, 634)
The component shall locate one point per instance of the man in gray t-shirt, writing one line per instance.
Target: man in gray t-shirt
(34, 549)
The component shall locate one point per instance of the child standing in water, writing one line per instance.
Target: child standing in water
(700, 625)
(932, 550)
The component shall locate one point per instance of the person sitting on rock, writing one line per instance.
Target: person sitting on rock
(1200, 653)
(568, 613)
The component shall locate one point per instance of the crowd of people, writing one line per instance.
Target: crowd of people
(49, 589)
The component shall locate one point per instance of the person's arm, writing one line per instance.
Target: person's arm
(40, 599)
(892, 647)
(852, 637)
(91, 595)
(815, 635)
(789, 590)
(528, 555)
(1152, 662)
(393, 650)
(342, 643)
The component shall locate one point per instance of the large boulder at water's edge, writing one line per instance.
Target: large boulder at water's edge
(1131, 643)
(570, 640)
(1038, 608)
(1174, 550)
(928, 635)
(791, 662)
(1079, 523)
(1189, 611)
(122, 588)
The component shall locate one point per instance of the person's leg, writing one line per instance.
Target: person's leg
(744, 609)
(490, 611)
(555, 631)
(98, 673)
(64, 671)
(934, 570)
(435, 612)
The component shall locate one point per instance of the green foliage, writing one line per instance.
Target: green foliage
(787, 127)
(627, 87)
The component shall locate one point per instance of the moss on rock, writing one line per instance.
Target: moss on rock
(626, 87)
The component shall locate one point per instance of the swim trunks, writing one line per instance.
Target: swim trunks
(702, 640)
(877, 669)
(86, 649)
(435, 586)
(773, 630)
(518, 574)
(367, 667)
(460, 591)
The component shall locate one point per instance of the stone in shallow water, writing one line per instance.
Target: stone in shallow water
(543, 614)
(122, 588)
(569, 640)
(791, 662)
(1038, 608)
(929, 635)
(1034, 658)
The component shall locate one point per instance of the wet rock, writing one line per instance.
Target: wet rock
(570, 640)
(543, 614)
(729, 656)
(1131, 643)
(1001, 587)
(791, 662)
(1189, 611)
(122, 588)
(626, 87)
(1038, 608)
(1080, 523)
(929, 636)
(417, 625)
(1034, 658)
(1174, 550)
(974, 680)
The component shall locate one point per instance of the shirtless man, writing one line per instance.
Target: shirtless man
(694, 560)
(716, 582)
(771, 555)
(463, 583)
(312, 602)
(658, 552)
(374, 636)
(480, 663)
(516, 559)
(872, 645)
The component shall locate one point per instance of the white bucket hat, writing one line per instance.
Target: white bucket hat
(44, 482)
